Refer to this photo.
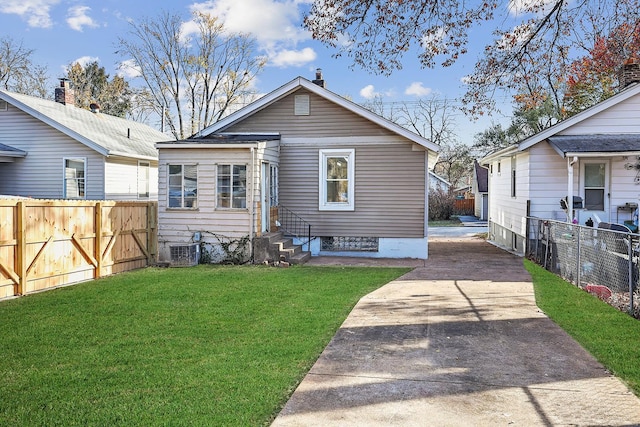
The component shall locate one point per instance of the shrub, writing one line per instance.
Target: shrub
(441, 204)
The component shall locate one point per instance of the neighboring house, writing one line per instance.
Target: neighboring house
(359, 180)
(436, 182)
(480, 189)
(54, 150)
(593, 157)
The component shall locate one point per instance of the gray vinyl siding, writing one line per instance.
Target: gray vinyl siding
(389, 191)
(40, 173)
(389, 176)
(325, 119)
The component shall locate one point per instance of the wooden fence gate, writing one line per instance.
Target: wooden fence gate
(49, 243)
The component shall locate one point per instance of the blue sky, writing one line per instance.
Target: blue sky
(65, 31)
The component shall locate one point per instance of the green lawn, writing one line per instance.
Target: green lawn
(611, 336)
(195, 346)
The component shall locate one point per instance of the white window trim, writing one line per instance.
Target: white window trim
(182, 206)
(247, 183)
(323, 205)
(142, 164)
(64, 177)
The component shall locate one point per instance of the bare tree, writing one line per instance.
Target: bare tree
(18, 73)
(192, 77)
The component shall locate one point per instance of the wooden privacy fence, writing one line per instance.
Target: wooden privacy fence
(464, 206)
(49, 243)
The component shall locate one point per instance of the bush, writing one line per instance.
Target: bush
(441, 204)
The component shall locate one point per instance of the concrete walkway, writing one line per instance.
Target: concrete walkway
(457, 342)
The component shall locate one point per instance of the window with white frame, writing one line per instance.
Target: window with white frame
(594, 186)
(183, 186)
(337, 180)
(232, 186)
(74, 178)
(143, 180)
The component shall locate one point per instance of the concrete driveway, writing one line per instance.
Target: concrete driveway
(457, 342)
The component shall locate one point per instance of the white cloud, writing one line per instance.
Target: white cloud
(35, 12)
(417, 89)
(368, 92)
(77, 18)
(522, 7)
(128, 69)
(296, 58)
(271, 22)
(84, 60)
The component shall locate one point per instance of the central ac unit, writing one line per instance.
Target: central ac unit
(184, 255)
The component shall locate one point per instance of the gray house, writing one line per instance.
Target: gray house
(299, 155)
(54, 150)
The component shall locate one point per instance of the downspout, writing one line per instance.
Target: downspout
(251, 206)
(570, 163)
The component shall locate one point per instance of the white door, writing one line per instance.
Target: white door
(594, 187)
(266, 197)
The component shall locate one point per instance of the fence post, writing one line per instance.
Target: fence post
(98, 242)
(21, 249)
(152, 232)
(578, 262)
(630, 251)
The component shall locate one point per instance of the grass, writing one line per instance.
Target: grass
(199, 346)
(453, 222)
(610, 335)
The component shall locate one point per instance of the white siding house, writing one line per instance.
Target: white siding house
(593, 156)
(359, 181)
(53, 150)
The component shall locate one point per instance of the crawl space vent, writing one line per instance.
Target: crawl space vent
(184, 255)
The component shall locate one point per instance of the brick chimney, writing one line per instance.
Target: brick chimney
(319, 80)
(64, 93)
(630, 72)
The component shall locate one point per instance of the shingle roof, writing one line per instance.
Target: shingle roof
(109, 135)
(482, 178)
(599, 143)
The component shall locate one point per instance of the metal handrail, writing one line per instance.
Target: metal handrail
(292, 224)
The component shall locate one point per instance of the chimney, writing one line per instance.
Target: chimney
(64, 93)
(630, 72)
(319, 80)
(95, 107)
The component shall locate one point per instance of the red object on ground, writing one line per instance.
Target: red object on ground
(600, 291)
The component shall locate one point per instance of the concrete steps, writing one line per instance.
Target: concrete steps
(272, 247)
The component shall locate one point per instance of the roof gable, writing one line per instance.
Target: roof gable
(629, 92)
(106, 134)
(298, 83)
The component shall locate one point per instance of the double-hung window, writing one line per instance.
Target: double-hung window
(183, 186)
(232, 186)
(74, 178)
(337, 181)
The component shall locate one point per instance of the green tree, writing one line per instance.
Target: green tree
(91, 84)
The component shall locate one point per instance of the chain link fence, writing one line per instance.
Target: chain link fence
(602, 262)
